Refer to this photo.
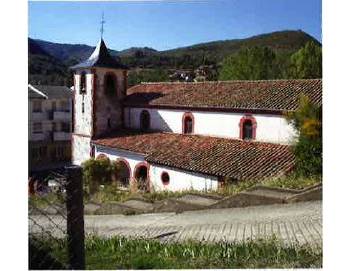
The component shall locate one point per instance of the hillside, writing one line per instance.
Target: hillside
(61, 56)
(281, 41)
(44, 68)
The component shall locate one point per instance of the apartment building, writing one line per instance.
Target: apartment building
(50, 125)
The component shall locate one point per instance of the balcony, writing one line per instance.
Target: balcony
(61, 136)
(37, 137)
(38, 116)
(62, 115)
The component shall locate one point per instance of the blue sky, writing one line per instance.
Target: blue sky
(169, 24)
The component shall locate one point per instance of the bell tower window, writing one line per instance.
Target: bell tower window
(110, 84)
(109, 125)
(83, 83)
(145, 120)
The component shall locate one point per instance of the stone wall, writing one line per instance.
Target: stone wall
(108, 107)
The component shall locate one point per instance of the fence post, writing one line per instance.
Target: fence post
(75, 217)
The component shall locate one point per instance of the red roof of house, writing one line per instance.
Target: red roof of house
(238, 159)
(269, 95)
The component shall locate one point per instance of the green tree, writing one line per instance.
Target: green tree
(307, 62)
(151, 75)
(307, 120)
(95, 173)
(253, 63)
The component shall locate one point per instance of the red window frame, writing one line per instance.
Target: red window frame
(165, 177)
(241, 126)
(184, 118)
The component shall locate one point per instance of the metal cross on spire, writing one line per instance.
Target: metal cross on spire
(102, 23)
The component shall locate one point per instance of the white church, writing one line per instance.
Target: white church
(179, 136)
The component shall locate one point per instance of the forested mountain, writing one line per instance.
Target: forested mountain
(48, 59)
(44, 68)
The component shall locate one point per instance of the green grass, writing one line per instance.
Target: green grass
(122, 253)
(293, 182)
(111, 193)
(46, 200)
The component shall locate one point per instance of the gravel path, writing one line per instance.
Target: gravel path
(298, 223)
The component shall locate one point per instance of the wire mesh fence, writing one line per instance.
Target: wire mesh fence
(56, 219)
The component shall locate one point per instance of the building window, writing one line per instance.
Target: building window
(39, 153)
(54, 106)
(37, 128)
(60, 152)
(110, 84)
(37, 106)
(65, 127)
(145, 120)
(83, 83)
(187, 123)
(248, 128)
(55, 127)
(109, 124)
(165, 178)
(64, 106)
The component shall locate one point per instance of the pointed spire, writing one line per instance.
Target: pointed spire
(100, 58)
(102, 23)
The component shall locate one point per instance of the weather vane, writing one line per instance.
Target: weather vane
(102, 22)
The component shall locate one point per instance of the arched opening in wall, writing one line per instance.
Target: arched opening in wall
(122, 173)
(141, 177)
(165, 178)
(248, 128)
(101, 156)
(145, 120)
(82, 88)
(187, 123)
(110, 84)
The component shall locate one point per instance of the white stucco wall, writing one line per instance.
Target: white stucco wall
(83, 121)
(270, 128)
(132, 158)
(181, 180)
(80, 149)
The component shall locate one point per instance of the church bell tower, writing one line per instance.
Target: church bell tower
(100, 84)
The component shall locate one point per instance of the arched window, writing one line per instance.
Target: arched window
(187, 123)
(145, 120)
(110, 85)
(165, 178)
(248, 128)
(141, 176)
(83, 83)
(102, 156)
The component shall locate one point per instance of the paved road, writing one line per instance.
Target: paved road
(297, 223)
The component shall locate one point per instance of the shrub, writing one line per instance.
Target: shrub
(96, 172)
(307, 120)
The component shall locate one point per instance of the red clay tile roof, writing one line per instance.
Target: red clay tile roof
(208, 155)
(275, 95)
